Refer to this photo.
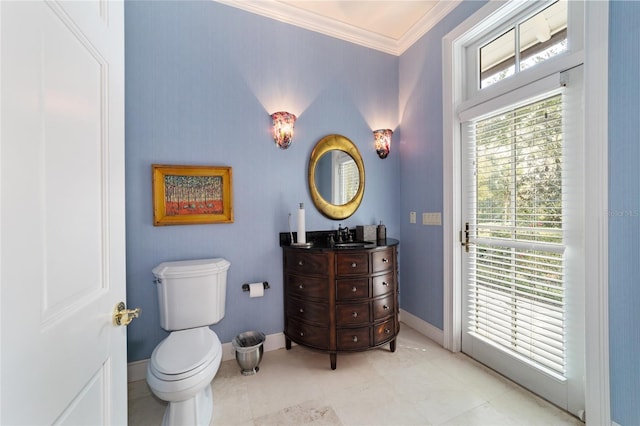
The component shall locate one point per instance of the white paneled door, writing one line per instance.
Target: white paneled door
(62, 245)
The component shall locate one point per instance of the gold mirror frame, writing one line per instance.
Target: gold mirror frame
(324, 145)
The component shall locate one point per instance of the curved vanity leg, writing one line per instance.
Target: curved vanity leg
(287, 343)
(333, 357)
(392, 345)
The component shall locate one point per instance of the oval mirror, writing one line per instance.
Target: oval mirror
(336, 177)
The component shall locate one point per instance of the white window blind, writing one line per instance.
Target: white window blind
(349, 179)
(516, 297)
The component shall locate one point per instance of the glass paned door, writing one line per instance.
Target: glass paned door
(521, 294)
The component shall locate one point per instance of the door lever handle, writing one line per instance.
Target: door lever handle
(124, 316)
(464, 237)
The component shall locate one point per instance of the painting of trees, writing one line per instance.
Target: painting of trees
(193, 194)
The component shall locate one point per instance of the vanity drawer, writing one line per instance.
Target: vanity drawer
(353, 338)
(357, 288)
(303, 262)
(352, 314)
(383, 307)
(299, 332)
(383, 332)
(307, 286)
(308, 311)
(383, 284)
(382, 260)
(352, 263)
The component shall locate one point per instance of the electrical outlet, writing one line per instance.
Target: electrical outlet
(432, 218)
(412, 217)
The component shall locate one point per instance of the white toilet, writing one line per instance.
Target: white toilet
(191, 296)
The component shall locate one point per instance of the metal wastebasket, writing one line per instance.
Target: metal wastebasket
(249, 347)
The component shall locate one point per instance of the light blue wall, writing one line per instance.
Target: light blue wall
(421, 176)
(624, 210)
(201, 81)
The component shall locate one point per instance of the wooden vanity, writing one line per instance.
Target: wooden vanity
(341, 299)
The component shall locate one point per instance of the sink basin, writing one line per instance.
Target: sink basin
(354, 244)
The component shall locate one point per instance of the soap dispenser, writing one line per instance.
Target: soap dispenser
(381, 234)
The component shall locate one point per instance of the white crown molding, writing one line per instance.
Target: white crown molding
(428, 21)
(310, 21)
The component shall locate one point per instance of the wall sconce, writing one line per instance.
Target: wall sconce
(383, 142)
(283, 128)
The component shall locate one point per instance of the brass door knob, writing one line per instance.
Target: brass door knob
(124, 316)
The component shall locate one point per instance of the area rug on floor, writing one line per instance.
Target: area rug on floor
(301, 415)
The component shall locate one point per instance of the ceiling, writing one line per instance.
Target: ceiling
(386, 25)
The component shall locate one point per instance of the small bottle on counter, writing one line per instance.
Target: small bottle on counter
(381, 235)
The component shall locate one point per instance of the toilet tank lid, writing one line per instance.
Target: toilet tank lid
(191, 268)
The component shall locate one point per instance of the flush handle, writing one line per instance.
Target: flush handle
(124, 316)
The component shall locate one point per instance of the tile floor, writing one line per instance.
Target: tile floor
(419, 384)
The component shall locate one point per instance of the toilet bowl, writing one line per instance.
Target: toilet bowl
(191, 296)
(180, 372)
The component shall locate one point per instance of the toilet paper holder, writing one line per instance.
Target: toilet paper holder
(245, 287)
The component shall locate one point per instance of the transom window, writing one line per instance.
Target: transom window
(529, 41)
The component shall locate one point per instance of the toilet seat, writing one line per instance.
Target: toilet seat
(184, 354)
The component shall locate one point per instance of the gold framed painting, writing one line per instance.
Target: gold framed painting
(191, 195)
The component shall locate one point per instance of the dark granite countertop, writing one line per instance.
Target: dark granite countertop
(320, 241)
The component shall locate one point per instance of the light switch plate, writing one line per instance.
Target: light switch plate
(412, 217)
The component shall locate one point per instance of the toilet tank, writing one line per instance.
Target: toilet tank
(191, 293)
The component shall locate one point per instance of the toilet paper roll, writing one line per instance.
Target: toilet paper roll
(256, 290)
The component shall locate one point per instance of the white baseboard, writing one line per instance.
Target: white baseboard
(137, 370)
(422, 327)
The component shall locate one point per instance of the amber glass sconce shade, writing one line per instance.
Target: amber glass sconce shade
(283, 128)
(383, 142)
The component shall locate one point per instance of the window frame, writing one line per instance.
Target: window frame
(510, 18)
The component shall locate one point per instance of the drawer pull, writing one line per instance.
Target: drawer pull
(387, 331)
(385, 307)
(355, 339)
(354, 289)
(301, 334)
(300, 262)
(301, 310)
(300, 286)
(385, 284)
(355, 315)
(354, 265)
(385, 260)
